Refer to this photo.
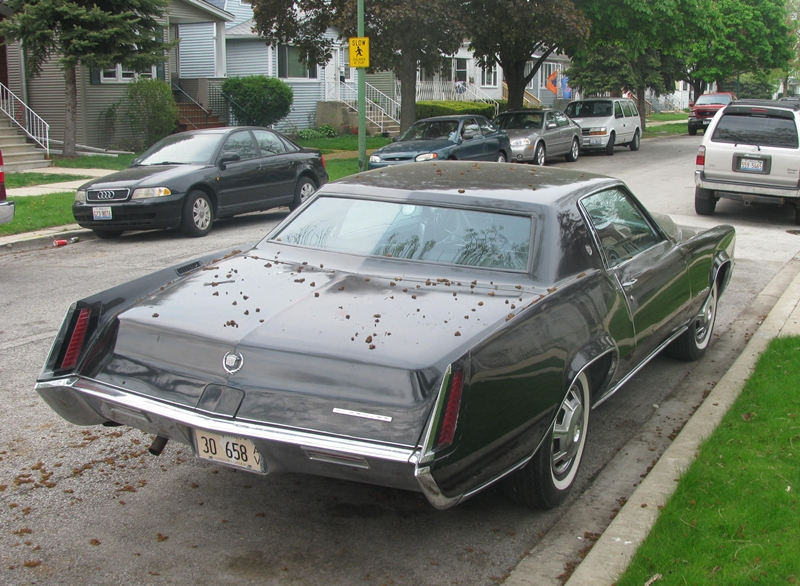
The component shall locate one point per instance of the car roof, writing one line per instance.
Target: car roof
(529, 111)
(453, 117)
(783, 105)
(503, 186)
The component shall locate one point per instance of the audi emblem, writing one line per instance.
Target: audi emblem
(106, 194)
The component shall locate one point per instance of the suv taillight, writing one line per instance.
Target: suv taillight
(700, 161)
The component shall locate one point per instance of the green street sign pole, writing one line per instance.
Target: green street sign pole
(362, 104)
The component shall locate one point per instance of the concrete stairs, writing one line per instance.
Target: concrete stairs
(19, 153)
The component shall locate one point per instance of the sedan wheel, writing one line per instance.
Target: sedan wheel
(547, 479)
(197, 215)
(692, 344)
(501, 158)
(574, 151)
(305, 189)
(540, 155)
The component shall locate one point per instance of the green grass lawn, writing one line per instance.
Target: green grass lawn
(343, 143)
(27, 179)
(667, 116)
(98, 162)
(338, 168)
(37, 212)
(734, 518)
(677, 128)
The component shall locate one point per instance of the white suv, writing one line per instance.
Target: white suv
(606, 122)
(750, 153)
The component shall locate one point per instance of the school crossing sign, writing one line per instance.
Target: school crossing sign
(359, 51)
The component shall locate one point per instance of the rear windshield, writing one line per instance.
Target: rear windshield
(593, 109)
(427, 233)
(758, 130)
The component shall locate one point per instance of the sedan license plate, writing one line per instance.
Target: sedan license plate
(231, 450)
(101, 213)
(751, 165)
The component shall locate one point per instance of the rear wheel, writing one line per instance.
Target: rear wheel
(692, 131)
(107, 234)
(198, 215)
(692, 344)
(635, 142)
(574, 151)
(540, 155)
(545, 481)
(704, 201)
(610, 145)
(305, 188)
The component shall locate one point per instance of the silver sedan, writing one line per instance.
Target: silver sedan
(537, 134)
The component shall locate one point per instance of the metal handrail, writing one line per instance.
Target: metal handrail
(182, 97)
(28, 120)
(223, 105)
(381, 110)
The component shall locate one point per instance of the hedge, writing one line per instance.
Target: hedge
(450, 108)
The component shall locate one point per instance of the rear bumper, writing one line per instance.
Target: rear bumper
(746, 191)
(699, 123)
(85, 401)
(6, 211)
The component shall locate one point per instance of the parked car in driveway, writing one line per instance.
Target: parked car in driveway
(468, 138)
(537, 134)
(702, 111)
(750, 153)
(189, 180)
(606, 123)
(6, 207)
(435, 327)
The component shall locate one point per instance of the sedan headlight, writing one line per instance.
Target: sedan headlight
(374, 159)
(598, 131)
(148, 192)
(426, 157)
(80, 195)
(521, 142)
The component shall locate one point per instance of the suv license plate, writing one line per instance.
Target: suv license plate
(101, 213)
(234, 451)
(751, 165)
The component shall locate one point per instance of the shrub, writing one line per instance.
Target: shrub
(152, 111)
(449, 108)
(258, 100)
(327, 131)
(309, 134)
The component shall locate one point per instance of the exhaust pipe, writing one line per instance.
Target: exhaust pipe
(158, 445)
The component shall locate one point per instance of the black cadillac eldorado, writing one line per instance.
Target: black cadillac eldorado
(434, 327)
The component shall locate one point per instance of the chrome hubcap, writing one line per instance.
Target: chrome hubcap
(705, 319)
(306, 191)
(568, 431)
(201, 214)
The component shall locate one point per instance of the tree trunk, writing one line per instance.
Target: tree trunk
(408, 90)
(70, 115)
(641, 104)
(515, 78)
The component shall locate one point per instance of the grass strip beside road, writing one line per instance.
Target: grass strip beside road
(677, 128)
(40, 211)
(667, 116)
(343, 143)
(113, 163)
(734, 518)
(14, 180)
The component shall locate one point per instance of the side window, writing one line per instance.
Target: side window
(635, 109)
(269, 143)
(486, 126)
(617, 110)
(627, 107)
(548, 119)
(561, 119)
(242, 144)
(470, 129)
(621, 228)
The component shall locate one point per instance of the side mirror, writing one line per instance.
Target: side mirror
(468, 135)
(691, 104)
(551, 125)
(228, 157)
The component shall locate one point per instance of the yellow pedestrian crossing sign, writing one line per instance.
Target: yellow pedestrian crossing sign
(359, 51)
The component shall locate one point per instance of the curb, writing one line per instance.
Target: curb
(42, 239)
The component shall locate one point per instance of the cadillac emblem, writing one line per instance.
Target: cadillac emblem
(232, 362)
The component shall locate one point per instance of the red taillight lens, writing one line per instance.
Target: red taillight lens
(76, 340)
(701, 156)
(451, 411)
(324, 164)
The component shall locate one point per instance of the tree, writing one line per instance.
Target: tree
(93, 33)
(404, 35)
(520, 31)
(152, 111)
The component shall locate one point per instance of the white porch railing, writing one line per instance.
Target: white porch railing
(28, 120)
(381, 110)
(448, 90)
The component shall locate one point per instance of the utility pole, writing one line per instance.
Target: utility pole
(362, 104)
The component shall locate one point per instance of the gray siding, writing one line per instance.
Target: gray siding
(182, 12)
(304, 105)
(197, 50)
(240, 10)
(247, 57)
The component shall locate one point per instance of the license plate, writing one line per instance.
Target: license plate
(228, 449)
(101, 213)
(752, 165)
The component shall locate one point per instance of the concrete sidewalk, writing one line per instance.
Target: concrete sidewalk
(56, 187)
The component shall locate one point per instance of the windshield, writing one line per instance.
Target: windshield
(708, 99)
(520, 121)
(185, 148)
(432, 130)
(428, 233)
(592, 109)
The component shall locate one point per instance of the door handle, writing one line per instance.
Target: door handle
(629, 283)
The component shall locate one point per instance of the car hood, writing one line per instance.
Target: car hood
(515, 133)
(312, 340)
(146, 175)
(588, 122)
(414, 146)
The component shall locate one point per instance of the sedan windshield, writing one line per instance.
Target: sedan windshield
(432, 130)
(520, 120)
(593, 109)
(184, 148)
(414, 232)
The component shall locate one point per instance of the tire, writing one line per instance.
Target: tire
(704, 201)
(693, 343)
(635, 142)
(198, 215)
(797, 214)
(501, 157)
(692, 131)
(574, 151)
(305, 188)
(545, 481)
(610, 145)
(540, 155)
(107, 234)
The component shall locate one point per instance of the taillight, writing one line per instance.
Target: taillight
(324, 164)
(76, 340)
(700, 161)
(448, 430)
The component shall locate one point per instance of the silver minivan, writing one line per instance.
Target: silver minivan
(750, 153)
(606, 123)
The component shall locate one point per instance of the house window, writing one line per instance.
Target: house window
(489, 77)
(545, 72)
(292, 64)
(461, 70)
(120, 75)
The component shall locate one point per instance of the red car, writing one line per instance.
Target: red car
(702, 111)
(6, 207)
